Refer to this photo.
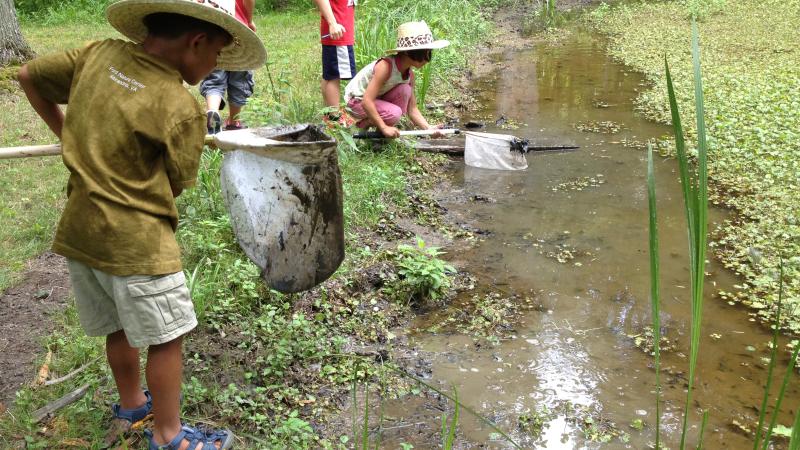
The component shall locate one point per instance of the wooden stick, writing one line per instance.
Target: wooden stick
(50, 150)
(41, 413)
(44, 371)
(30, 150)
(71, 374)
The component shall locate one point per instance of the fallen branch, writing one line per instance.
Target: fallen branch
(71, 374)
(51, 408)
(44, 370)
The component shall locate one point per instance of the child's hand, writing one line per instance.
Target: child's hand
(336, 30)
(390, 132)
(437, 134)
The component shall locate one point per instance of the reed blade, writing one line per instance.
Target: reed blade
(655, 298)
(695, 190)
(772, 358)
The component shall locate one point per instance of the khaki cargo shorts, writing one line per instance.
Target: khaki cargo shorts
(150, 309)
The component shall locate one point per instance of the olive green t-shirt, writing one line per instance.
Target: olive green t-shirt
(131, 130)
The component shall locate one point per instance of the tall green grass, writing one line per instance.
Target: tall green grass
(694, 182)
(655, 292)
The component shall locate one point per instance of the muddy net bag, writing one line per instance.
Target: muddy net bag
(283, 190)
(495, 151)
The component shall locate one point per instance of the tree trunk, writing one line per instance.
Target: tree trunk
(13, 48)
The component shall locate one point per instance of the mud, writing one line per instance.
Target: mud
(27, 315)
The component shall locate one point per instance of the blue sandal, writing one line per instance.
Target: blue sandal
(133, 415)
(195, 436)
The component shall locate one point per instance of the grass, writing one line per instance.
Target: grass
(32, 191)
(247, 365)
(751, 92)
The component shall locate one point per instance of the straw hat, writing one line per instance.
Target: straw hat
(416, 36)
(245, 53)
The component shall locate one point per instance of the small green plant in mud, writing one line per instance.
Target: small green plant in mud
(534, 422)
(590, 420)
(422, 275)
(491, 315)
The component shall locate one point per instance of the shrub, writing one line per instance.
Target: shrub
(422, 275)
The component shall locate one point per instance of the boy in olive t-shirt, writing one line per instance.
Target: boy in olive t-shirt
(131, 139)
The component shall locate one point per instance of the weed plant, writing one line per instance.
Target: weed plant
(422, 275)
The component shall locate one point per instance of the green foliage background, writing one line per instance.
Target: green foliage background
(92, 10)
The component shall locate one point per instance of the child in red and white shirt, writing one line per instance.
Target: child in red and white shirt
(337, 31)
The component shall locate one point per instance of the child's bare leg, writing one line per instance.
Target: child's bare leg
(124, 362)
(234, 112)
(330, 92)
(213, 101)
(164, 375)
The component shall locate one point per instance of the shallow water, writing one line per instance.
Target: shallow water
(576, 347)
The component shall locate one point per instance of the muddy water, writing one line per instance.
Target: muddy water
(575, 345)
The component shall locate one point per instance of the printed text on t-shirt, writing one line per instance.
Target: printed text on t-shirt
(124, 80)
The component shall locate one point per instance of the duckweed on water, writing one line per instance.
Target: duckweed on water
(752, 89)
(593, 126)
(579, 184)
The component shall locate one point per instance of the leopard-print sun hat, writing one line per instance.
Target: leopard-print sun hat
(416, 36)
(246, 52)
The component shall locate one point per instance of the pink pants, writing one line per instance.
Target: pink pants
(391, 106)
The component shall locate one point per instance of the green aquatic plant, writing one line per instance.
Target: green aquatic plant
(753, 100)
(695, 192)
(449, 429)
(655, 296)
(694, 183)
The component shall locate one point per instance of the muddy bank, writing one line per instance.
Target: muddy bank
(29, 311)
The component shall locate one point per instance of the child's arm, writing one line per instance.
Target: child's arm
(335, 28)
(46, 109)
(249, 7)
(418, 119)
(380, 75)
(416, 115)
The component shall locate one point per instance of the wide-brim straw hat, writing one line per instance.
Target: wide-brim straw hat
(416, 36)
(246, 52)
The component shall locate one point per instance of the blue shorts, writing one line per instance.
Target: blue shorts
(238, 84)
(338, 62)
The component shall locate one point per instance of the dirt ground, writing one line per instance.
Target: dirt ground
(27, 311)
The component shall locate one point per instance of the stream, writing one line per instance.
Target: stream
(570, 234)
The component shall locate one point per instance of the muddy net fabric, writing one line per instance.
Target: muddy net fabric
(283, 190)
(493, 151)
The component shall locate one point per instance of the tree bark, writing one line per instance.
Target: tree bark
(13, 47)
